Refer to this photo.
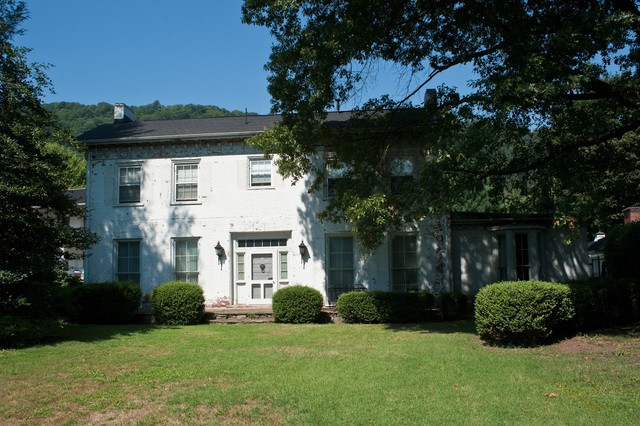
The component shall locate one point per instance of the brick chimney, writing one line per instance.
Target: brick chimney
(122, 113)
(631, 214)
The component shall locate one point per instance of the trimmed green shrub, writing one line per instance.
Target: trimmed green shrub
(522, 312)
(453, 305)
(384, 307)
(621, 251)
(605, 302)
(296, 304)
(177, 303)
(105, 303)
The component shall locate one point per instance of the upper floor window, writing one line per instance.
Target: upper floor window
(129, 182)
(259, 172)
(404, 263)
(334, 175)
(186, 182)
(401, 173)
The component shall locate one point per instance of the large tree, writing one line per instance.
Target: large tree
(34, 209)
(550, 116)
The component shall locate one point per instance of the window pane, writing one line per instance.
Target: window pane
(186, 182)
(522, 256)
(240, 266)
(128, 261)
(268, 291)
(260, 171)
(284, 267)
(129, 184)
(341, 271)
(404, 263)
(256, 291)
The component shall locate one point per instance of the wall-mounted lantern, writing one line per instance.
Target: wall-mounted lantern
(219, 251)
(303, 249)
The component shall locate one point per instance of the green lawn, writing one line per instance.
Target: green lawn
(317, 374)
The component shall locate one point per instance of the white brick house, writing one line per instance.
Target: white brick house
(189, 200)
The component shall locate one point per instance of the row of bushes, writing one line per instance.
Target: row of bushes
(301, 304)
(173, 303)
(531, 312)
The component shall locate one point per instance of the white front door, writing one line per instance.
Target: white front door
(261, 267)
(262, 280)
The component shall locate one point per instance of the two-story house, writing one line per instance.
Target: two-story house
(190, 200)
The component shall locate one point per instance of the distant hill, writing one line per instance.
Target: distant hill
(80, 118)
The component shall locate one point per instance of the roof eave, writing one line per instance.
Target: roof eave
(165, 138)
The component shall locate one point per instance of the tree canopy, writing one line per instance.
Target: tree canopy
(549, 119)
(34, 208)
(81, 118)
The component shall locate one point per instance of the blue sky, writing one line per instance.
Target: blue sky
(139, 51)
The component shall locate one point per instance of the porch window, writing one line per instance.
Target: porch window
(186, 259)
(404, 263)
(502, 257)
(341, 266)
(522, 256)
(128, 261)
(129, 181)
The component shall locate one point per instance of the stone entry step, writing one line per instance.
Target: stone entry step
(253, 314)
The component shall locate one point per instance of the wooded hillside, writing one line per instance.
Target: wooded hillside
(80, 118)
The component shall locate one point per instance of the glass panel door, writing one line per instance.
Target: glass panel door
(262, 277)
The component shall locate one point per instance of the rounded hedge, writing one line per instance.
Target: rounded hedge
(177, 303)
(522, 312)
(105, 303)
(297, 304)
(384, 307)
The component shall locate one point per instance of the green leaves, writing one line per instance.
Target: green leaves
(547, 118)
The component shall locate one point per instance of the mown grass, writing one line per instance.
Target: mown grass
(316, 374)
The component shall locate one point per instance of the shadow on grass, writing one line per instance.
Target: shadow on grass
(441, 327)
(21, 333)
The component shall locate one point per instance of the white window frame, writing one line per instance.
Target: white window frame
(259, 185)
(129, 165)
(507, 265)
(188, 271)
(393, 267)
(400, 172)
(333, 175)
(174, 181)
(332, 288)
(117, 248)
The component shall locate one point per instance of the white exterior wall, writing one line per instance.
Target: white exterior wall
(228, 209)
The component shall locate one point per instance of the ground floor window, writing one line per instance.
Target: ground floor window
(128, 261)
(185, 262)
(404, 263)
(340, 262)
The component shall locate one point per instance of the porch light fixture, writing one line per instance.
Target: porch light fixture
(219, 250)
(303, 249)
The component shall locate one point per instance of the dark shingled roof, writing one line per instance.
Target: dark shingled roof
(198, 128)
